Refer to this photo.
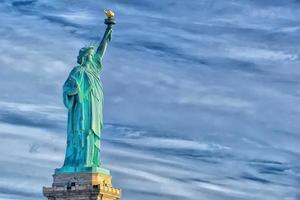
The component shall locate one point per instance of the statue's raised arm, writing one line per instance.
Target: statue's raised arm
(109, 21)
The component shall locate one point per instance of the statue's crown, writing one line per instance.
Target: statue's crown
(85, 49)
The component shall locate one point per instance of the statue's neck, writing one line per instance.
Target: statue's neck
(86, 64)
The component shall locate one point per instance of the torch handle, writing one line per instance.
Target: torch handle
(109, 21)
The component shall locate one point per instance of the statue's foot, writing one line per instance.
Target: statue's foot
(82, 169)
(92, 170)
(65, 170)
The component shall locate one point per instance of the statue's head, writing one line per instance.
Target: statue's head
(85, 54)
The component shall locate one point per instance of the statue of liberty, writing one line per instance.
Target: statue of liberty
(83, 97)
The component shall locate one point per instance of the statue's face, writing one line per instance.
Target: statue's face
(85, 54)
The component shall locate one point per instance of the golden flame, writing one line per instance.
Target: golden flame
(109, 13)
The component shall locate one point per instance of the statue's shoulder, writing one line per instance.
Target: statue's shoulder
(77, 73)
(75, 70)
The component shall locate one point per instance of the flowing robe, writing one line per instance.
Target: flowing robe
(83, 96)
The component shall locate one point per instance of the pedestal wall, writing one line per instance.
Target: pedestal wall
(82, 186)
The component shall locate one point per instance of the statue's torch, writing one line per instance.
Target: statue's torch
(110, 20)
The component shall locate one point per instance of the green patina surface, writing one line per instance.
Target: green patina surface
(83, 97)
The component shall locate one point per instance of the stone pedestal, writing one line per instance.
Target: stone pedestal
(82, 186)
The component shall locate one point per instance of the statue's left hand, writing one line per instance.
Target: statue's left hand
(70, 87)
